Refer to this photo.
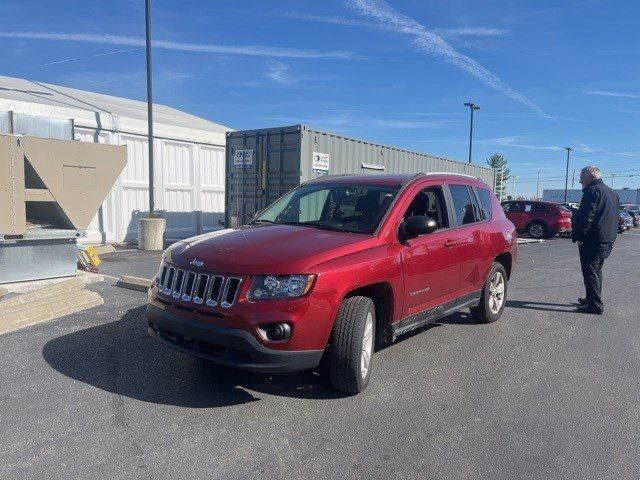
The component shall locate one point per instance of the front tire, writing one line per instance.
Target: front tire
(351, 345)
(493, 297)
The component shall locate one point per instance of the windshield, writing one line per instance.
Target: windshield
(348, 208)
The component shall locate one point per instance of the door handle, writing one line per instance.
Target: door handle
(450, 243)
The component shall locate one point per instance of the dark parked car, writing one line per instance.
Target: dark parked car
(538, 219)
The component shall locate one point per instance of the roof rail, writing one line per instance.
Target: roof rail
(449, 173)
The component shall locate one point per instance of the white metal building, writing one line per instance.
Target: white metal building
(189, 154)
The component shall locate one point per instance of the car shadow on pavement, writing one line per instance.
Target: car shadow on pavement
(121, 358)
(544, 306)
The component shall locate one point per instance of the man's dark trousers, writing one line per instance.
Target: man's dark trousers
(592, 257)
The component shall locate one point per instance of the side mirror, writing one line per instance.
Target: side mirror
(415, 226)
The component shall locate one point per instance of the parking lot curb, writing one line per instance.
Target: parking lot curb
(55, 290)
(102, 249)
(134, 283)
(53, 308)
(34, 285)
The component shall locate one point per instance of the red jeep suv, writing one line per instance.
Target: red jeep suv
(332, 268)
(538, 219)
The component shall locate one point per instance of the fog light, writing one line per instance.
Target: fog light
(281, 331)
(275, 332)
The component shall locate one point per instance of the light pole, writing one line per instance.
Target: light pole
(538, 184)
(566, 178)
(147, 9)
(513, 195)
(472, 106)
(151, 229)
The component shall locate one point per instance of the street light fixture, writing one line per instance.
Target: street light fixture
(472, 106)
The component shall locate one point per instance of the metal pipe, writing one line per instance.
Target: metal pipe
(147, 4)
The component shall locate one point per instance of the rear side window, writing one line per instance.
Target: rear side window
(536, 207)
(486, 203)
(464, 208)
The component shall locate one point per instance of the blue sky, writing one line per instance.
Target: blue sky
(547, 74)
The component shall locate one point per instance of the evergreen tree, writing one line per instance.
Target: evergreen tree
(498, 162)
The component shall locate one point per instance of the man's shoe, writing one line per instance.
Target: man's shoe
(592, 309)
(583, 301)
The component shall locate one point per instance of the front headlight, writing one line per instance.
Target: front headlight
(272, 286)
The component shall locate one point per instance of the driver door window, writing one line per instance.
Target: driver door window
(429, 202)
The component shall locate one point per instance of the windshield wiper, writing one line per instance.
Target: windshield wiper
(316, 225)
(253, 222)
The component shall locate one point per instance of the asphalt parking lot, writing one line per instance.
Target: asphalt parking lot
(543, 393)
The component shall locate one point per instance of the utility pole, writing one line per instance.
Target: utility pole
(501, 181)
(514, 187)
(573, 178)
(147, 5)
(538, 185)
(613, 180)
(566, 178)
(472, 106)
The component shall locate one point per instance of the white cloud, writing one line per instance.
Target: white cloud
(471, 31)
(516, 142)
(582, 147)
(604, 93)
(436, 46)
(329, 19)
(279, 72)
(249, 50)
(105, 54)
(628, 154)
(410, 124)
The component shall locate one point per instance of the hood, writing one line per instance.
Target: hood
(265, 249)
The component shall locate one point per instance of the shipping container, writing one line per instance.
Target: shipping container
(262, 165)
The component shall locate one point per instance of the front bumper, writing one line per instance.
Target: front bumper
(228, 346)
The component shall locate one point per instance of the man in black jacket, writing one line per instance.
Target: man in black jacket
(595, 229)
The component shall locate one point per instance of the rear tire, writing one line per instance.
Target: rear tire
(351, 345)
(493, 297)
(537, 230)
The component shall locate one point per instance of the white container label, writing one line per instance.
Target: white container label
(243, 158)
(320, 163)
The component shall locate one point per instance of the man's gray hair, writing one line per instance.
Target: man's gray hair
(593, 171)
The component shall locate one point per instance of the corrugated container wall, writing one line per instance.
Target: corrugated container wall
(262, 165)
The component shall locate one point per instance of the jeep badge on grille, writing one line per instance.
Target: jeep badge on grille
(196, 263)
